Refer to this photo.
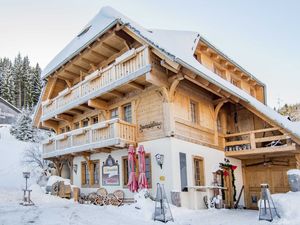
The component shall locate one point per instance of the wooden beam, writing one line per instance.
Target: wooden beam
(51, 83)
(109, 47)
(80, 67)
(97, 54)
(98, 104)
(116, 93)
(75, 75)
(126, 37)
(76, 111)
(136, 85)
(51, 124)
(85, 106)
(64, 117)
(163, 63)
(111, 58)
(157, 77)
(87, 60)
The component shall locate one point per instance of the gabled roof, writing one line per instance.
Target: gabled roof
(178, 46)
(10, 105)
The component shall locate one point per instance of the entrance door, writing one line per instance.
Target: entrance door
(274, 175)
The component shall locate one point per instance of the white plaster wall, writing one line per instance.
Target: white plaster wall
(117, 155)
(160, 146)
(212, 158)
(170, 148)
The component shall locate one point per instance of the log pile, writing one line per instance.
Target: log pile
(101, 198)
(61, 190)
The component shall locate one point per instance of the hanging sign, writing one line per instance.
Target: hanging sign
(150, 125)
(110, 172)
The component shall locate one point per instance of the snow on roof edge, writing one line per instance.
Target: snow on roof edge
(50, 71)
(10, 105)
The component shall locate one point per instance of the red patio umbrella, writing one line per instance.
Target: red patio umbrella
(132, 182)
(143, 183)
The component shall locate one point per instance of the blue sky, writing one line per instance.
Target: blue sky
(262, 36)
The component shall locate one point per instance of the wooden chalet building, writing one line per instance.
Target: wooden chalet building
(117, 83)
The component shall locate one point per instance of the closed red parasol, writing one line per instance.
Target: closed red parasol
(143, 183)
(132, 182)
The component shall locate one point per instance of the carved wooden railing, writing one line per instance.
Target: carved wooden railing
(110, 133)
(257, 141)
(128, 66)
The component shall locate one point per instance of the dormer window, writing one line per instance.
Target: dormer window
(84, 31)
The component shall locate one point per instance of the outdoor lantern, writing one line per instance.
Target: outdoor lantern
(75, 167)
(26, 175)
(160, 159)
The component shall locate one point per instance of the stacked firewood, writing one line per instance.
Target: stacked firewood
(101, 197)
(61, 190)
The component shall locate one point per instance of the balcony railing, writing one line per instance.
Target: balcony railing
(126, 68)
(263, 141)
(110, 133)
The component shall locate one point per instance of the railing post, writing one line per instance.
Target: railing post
(252, 140)
(90, 136)
(116, 130)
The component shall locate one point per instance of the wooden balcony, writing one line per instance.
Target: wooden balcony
(125, 69)
(258, 142)
(113, 133)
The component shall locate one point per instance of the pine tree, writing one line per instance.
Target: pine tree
(20, 83)
(23, 129)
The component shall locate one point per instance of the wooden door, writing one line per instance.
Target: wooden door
(275, 176)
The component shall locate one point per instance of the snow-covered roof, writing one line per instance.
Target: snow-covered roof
(178, 46)
(10, 105)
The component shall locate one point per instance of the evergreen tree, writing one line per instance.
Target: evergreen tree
(23, 129)
(20, 83)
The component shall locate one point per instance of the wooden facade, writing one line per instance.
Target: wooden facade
(120, 90)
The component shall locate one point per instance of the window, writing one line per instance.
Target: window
(125, 170)
(252, 92)
(85, 123)
(114, 113)
(194, 111)
(96, 172)
(220, 72)
(235, 82)
(199, 171)
(127, 113)
(76, 125)
(148, 169)
(68, 128)
(85, 175)
(95, 119)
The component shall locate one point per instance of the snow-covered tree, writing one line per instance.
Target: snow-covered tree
(40, 168)
(291, 111)
(20, 83)
(23, 129)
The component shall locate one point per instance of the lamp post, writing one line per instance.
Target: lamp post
(26, 197)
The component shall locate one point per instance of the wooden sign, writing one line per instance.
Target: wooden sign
(110, 172)
(150, 125)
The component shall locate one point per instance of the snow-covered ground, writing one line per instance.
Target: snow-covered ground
(50, 210)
